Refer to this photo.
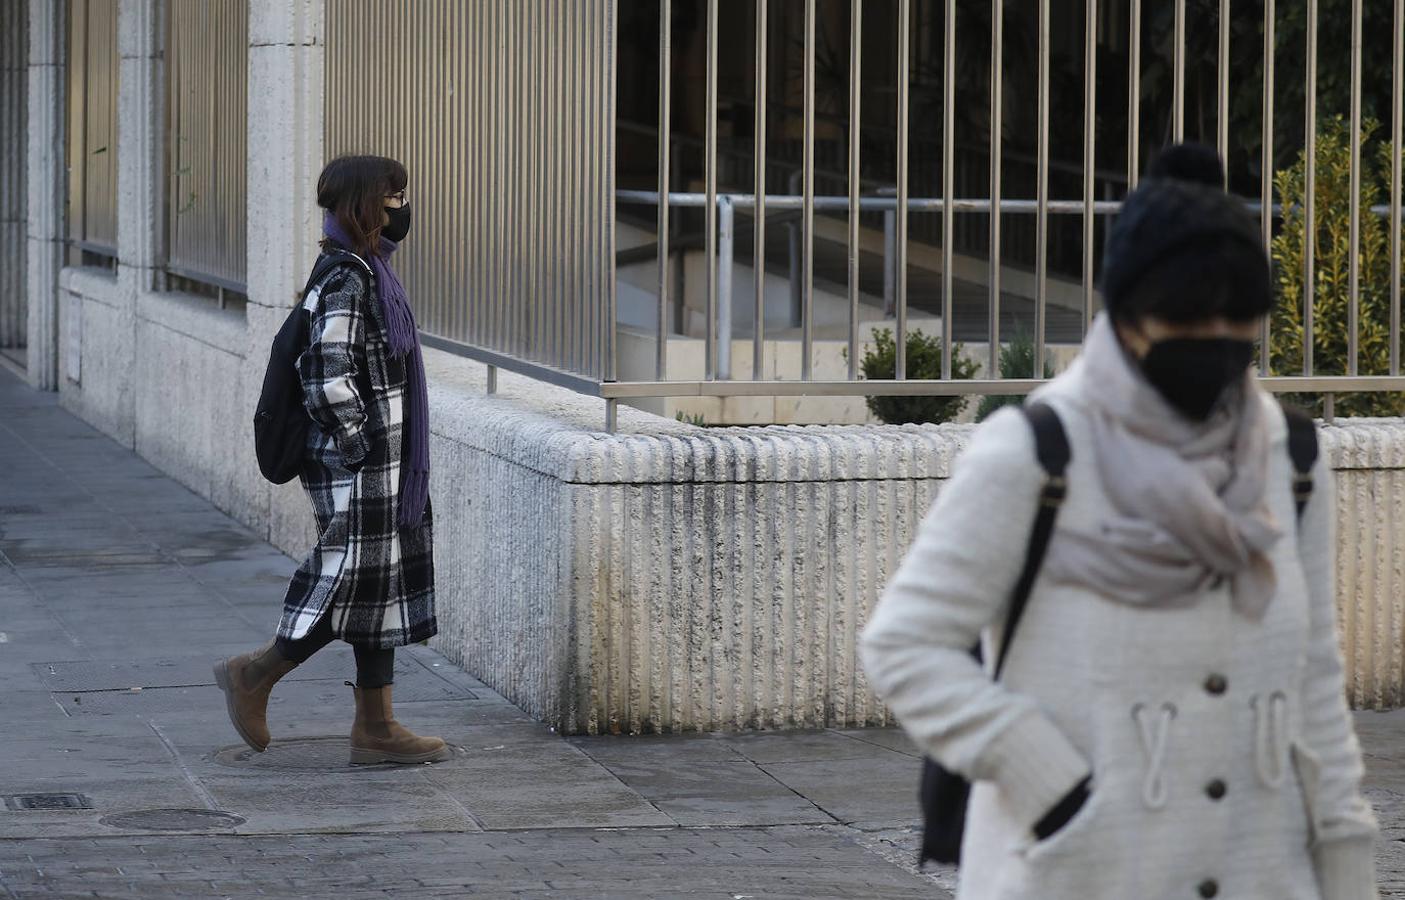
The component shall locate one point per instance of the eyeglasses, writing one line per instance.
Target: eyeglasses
(398, 195)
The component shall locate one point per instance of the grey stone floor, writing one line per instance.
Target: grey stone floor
(118, 587)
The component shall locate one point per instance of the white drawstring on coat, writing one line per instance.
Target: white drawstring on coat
(1154, 745)
(1271, 738)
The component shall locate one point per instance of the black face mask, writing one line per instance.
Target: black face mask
(1192, 373)
(399, 224)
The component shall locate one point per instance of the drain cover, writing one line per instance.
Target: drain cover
(22, 802)
(173, 820)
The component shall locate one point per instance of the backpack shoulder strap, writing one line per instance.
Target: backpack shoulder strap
(329, 261)
(1052, 450)
(1302, 449)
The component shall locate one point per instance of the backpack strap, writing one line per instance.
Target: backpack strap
(1302, 449)
(1051, 448)
(335, 256)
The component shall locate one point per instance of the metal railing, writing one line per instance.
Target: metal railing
(92, 126)
(517, 152)
(505, 129)
(207, 60)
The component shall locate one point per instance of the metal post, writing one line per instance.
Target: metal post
(665, 132)
(710, 176)
(612, 415)
(1222, 124)
(1397, 126)
(1310, 188)
(807, 214)
(1134, 98)
(1266, 170)
(904, 42)
(1041, 228)
(890, 250)
(855, 96)
(725, 254)
(1178, 77)
(492, 380)
(793, 233)
(1090, 101)
(1354, 266)
(997, 103)
(759, 253)
(948, 182)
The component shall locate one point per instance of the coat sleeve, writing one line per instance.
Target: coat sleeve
(328, 367)
(955, 581)
(1329, 757)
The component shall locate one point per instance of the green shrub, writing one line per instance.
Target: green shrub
(1016, 361)
(924, 360)
(1331, 282)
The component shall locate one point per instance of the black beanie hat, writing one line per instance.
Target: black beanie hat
(1181, 214)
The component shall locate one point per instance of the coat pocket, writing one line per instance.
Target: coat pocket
(1071, 836)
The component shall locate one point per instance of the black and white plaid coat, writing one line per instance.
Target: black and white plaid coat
(375, 579)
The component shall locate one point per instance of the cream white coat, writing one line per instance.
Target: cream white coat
(1126, 694)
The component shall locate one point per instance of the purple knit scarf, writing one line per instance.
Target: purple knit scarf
(404, 338)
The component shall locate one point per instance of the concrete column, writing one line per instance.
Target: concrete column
(140, 141)
(45, 186)
(14, 95)
(286, 49)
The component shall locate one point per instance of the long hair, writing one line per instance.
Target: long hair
(353, 190)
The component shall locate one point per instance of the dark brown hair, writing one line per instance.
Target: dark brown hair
(353, 189)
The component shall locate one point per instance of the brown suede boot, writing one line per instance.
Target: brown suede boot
(247, 680)
(377, 738)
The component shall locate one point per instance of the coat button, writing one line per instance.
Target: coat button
(1215, 789)
(1216, 684)
(1209, 888)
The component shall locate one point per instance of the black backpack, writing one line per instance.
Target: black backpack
(281, 420)
(943, 793)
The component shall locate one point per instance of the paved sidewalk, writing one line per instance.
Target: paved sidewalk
(118, 587)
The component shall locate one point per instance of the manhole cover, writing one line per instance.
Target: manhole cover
(318, 754)
(173, 820)
(23, 802)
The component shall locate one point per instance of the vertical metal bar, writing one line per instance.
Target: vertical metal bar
(725, 254)
(1397, 128)
(1178, 78)
(1041, 228)
(665, 133)
(1222, 123)
(612, 415)
(948, 181)
(710, 177)
(997, 116)
(1353, 313)
(1310, 189)
(492, 380)
(1134, 96)
(855, 122)
(1266, 170)
(807, 201)
(758, 349)
(900, 239)
(610, 28)
(890, 245)
(1090, 109)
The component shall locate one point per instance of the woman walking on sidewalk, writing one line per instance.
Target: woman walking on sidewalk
(1170, 721)
(370, 579)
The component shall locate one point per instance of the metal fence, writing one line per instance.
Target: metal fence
(502, 111)
(507, 123)
(207, 58)
(92, 126)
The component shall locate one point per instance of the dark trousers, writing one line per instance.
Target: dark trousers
(375, 667)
